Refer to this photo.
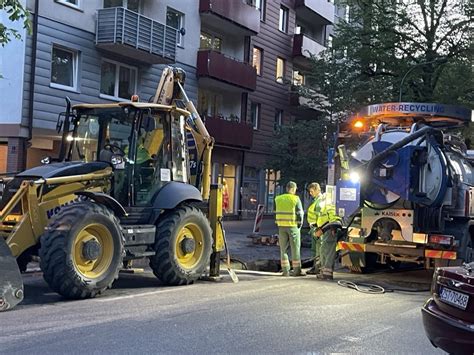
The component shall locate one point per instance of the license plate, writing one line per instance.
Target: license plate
(454, 298)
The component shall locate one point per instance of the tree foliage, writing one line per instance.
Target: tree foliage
(386, 39)
(301, 151)
(16, 12)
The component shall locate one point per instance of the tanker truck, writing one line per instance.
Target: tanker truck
(406, 192)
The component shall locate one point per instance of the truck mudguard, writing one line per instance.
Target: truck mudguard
(173, 193)
(105, 200)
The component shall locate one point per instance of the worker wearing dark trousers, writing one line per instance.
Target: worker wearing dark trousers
(289, 217)
(327, 222)
(328, 254)
(314, 209)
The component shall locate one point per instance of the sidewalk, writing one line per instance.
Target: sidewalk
(242, 248)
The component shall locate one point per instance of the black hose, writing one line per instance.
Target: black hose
(375, 289)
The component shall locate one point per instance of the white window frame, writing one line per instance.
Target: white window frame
(285, 20)
(116, 84)
(75, 62)
(256, 122)
(77, 6)
(125, 5)
(179, 41)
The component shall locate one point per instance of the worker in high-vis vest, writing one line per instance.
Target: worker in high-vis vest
(289, 216)
(329, 223)
(314, 209)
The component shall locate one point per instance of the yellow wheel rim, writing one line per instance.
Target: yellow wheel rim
(189, 245)
(93, 266)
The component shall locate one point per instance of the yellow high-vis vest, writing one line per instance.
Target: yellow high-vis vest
(313, 211)
(285, 210)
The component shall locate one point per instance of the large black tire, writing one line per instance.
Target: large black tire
(70, 269)
(171, 264)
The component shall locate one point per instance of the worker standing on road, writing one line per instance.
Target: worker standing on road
(289, 219)
(329, 224)
(314, 209)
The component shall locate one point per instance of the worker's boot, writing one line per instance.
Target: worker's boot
(298, 272)
(325, 275)
(316, 269)
(285, 273)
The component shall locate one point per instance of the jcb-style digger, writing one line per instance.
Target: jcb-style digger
(121, 189)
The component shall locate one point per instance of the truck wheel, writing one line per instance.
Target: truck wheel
(183, 246)
(82, 251)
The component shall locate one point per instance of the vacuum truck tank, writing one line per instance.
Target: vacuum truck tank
(406, 193)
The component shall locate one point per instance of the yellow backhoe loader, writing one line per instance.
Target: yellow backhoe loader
(121, 189)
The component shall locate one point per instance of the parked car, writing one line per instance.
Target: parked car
(448, 317)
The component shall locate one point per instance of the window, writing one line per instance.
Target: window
(255, 115)
(298, 78)
(210, 104)
(261, 6)
(283, 23)
(175, 19)
(132, 5)
(117, 80)
(278, 120)
(257, 59)
(280, 70)
(208, 41)
(72, 3)
(64, 68)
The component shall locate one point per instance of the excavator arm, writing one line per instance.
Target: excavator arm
(170, 91)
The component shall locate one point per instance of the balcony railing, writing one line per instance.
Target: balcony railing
(235, 11)
(231, 133)
(219, 67)
(305, 46)
(316, 11)
(132, 35)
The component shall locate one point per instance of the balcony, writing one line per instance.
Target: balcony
(220, 68)
(304, 46)
(230, 133)
(318, 12)
(129, 34)
(233, 16)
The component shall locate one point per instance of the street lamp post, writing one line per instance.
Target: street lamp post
(437, 60)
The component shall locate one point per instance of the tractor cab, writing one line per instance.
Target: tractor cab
(143, 143)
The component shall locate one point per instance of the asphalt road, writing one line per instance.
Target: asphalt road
(260, 314)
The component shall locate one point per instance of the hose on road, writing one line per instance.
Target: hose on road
(376, 289)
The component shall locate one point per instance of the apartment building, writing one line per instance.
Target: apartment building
(241, 57)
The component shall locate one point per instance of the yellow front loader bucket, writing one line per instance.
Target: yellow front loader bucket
(11, 284)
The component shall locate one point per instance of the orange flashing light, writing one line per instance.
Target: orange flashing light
(135, 98)
(358, 124)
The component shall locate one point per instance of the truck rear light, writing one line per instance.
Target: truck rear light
(441, 239)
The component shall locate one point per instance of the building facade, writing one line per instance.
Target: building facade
(242, 59)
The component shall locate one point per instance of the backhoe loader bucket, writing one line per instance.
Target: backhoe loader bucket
(11, 284)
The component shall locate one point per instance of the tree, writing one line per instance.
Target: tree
(300, 151)
(16, 12)
(383, 40)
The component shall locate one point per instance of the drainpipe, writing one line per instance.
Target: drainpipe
(31, 94)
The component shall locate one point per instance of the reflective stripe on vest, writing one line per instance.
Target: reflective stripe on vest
(285, 215)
